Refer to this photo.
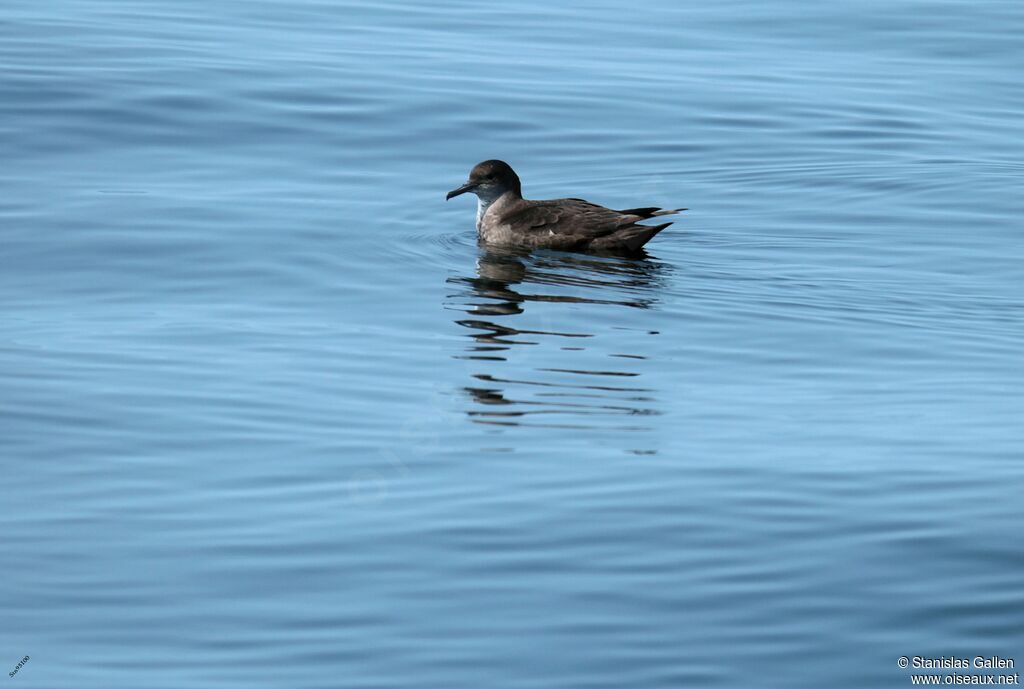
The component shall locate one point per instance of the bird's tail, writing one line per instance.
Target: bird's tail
(668, 211)
(652, 212)
(641, 235)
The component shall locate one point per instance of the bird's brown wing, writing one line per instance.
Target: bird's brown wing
(570, 217)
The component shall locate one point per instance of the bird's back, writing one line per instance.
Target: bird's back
(571, 224)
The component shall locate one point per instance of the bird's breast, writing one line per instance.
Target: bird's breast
(495, 232)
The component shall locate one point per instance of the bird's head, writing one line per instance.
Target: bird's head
(489, 180)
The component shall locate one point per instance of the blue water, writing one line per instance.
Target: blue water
(271, 418)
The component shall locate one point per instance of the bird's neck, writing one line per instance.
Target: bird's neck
(485, 203)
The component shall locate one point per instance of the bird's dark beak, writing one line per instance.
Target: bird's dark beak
(468, 186)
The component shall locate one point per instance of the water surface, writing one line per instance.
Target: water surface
(271, 417)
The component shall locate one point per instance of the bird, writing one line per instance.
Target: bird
(504, 217)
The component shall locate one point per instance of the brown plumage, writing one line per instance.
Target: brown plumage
(505, 217)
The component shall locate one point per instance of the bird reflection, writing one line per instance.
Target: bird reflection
(531, 363)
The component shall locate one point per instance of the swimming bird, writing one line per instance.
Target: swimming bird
(504, 217)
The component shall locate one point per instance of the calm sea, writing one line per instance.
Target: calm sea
(269, 417)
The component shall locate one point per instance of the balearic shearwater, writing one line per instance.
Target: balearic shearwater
(504, 217)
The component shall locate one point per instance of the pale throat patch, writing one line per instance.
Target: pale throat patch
(481, 208)
(485, 198)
